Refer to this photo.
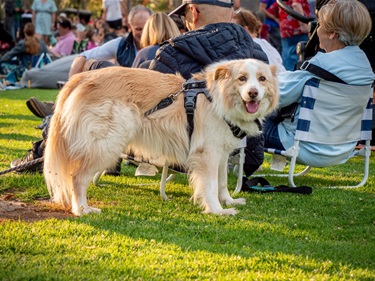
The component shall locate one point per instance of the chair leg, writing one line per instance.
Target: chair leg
(240, 171)
(367, 154)
(96, 178)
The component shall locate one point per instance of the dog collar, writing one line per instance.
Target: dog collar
(237, 131)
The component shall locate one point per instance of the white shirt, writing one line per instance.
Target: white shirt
(273, 55)
(114, 11)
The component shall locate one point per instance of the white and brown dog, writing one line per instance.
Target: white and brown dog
(101, 114)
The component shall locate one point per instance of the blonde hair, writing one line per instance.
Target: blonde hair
(246, 18)
(158, 28)
(31, 42)
(350, 19)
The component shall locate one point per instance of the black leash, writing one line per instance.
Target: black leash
(22, 166)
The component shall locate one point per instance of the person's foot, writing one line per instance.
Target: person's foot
(23, 163)
(38, 108)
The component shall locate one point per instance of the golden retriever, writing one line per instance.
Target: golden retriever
(100, 114)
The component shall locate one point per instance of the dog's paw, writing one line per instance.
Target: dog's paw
(239, 201)
(84, 211)
(224, 212)
(90, 209)
(228, 212)
(231, 201)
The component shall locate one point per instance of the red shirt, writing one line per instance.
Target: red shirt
(289, 26)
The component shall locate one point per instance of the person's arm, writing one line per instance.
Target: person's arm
(77, 65)
(108, 51)
(263, 8)
(53, 15)
(104, 11)
(33, 17)
(291, 84)
(54, 53)
(105, 52)
(296, 6)
(20, 48)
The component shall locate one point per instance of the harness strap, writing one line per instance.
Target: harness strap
(192, 89)
(163, 104)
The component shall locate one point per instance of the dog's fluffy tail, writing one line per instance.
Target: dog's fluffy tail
(58, 165)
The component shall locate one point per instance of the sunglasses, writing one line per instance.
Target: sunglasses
(240, 12)
(182, 15)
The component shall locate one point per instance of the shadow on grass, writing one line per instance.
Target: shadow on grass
(317, 227)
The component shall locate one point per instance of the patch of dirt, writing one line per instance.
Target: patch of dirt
(40, 210)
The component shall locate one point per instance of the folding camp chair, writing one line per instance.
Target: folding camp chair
(331, 113)
(40, 60)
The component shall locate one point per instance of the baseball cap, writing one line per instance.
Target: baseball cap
(223, 3)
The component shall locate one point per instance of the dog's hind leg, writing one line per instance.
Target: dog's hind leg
(80, 206)
(224, 195)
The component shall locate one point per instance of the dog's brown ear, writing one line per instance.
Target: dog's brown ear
(273, 70)
(221, 72)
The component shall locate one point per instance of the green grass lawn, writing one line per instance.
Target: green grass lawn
(329, 235)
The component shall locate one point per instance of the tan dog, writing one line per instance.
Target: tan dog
(100, 114)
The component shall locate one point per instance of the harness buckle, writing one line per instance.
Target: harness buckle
(190, 101)
(304, 65)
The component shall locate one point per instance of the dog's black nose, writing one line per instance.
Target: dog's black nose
(253, 93)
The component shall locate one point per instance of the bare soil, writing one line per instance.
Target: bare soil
(11, 209)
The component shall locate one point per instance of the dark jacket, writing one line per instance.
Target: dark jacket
(126, 51)
(145, 55)
(192, 51)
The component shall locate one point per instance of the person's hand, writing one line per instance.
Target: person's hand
(298, 8)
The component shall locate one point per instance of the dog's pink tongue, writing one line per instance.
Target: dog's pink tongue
(251, 106)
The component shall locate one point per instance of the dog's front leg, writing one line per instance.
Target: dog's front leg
(224, 195)
(204, 178)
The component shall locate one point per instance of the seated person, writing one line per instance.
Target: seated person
(64, 46)
(343, 25)
(25, 51)
(122, 49)
(158, 28)
(252, 25)
(48, 76)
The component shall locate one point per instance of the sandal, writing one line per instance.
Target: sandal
(259, 184)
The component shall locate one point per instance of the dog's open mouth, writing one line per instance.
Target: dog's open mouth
(251, 106)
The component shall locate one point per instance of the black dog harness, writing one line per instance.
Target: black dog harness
(191, 89)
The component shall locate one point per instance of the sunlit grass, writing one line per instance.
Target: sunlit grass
(138, 236)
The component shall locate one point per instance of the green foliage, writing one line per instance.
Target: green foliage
(326, 236)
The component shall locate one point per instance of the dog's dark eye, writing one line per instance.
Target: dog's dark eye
(242, 78)
(262, 78)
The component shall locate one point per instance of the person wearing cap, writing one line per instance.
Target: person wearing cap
(211, 37)
(65, 44)
(122, 49)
